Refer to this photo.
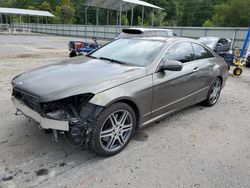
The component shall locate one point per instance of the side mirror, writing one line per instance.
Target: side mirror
(172, 65)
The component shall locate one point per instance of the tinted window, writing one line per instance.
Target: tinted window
(200, 52)
(182, 52)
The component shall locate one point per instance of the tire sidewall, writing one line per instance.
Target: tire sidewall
(99, 123)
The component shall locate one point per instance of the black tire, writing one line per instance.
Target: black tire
(248, 63)
(104, 120)
(210, 101)
(72, 54)
(237, 71)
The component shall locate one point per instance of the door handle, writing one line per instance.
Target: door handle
(196, 69)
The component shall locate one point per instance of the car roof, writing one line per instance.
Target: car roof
(145, 32)
(210, 37)
(148, 29)
(171, 39)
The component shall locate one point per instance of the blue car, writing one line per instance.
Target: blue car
(78, 48)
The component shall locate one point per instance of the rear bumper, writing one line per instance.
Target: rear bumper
(44, 122)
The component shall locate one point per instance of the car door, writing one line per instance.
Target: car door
(202, 58)
(175, 89)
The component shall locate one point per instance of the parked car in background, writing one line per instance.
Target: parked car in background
(219, 45)
(146, 32)
(101, 98)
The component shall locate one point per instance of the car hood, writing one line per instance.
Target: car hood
(75, 76)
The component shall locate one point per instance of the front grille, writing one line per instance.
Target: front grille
(28, 99)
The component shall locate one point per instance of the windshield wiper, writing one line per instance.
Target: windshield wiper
(113, 60)
(90, 56)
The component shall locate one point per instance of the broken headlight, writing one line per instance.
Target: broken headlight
(66, 109)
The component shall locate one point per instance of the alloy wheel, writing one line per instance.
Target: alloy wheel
(215, 93)
(116, 130)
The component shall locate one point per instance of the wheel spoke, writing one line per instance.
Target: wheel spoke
(107, 133)
(217, 89)
(113, 120)
(111, 142)
(126, 128)
(123, 117)
(121, 140)
(212, 95)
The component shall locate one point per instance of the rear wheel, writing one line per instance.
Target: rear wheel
(113, 130)
(214, 93)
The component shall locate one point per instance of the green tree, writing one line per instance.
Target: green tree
(124, 20)
(79, 11)
(220, 14)
(208, 23)
(67, 14)
(45, 6)
(239, 14)
(139, 20)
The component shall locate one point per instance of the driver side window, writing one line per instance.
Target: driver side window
(182, 52)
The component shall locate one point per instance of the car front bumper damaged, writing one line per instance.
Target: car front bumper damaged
(44, 122)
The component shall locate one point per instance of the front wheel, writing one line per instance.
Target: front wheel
(214, 93)
(113, 130)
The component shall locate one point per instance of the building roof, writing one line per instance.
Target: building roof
(116, 4)
(25, 12)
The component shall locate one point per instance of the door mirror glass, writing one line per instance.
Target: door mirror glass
(171, 65)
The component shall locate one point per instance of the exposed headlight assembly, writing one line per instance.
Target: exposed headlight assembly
(66, 109)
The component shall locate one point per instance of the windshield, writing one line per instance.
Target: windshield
(211, 42)
(129, 51)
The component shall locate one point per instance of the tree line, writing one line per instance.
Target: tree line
(207, 13)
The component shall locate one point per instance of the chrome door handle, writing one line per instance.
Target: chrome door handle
(196, 69)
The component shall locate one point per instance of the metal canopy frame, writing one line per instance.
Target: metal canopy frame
(120, 6)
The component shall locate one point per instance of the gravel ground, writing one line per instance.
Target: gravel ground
(196, 147)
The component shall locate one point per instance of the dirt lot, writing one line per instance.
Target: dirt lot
(197, 147)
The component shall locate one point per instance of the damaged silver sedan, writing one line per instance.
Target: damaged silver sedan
(101, 98)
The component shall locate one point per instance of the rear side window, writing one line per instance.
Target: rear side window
(182, 52)
(200, 52)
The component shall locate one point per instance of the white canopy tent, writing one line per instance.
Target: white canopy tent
(24, 12)
(119, 6)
